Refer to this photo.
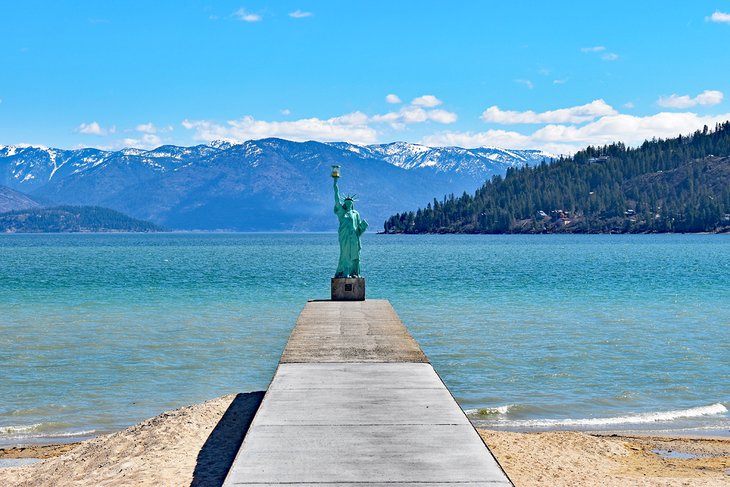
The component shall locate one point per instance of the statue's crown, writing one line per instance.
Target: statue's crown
(351, 197)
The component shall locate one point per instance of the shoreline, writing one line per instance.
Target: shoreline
(196, 444)
(722, 231)
(686, 434)
(40, 448)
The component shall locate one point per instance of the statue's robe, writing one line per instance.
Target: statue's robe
(351, 227)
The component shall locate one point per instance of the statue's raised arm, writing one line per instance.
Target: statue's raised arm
(338, 201)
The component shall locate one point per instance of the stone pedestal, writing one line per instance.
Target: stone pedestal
(348, 289)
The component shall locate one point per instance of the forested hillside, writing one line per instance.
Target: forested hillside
(673, 185)
(14, 200)
(71, 219)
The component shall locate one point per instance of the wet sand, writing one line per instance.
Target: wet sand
(36, 451)
(195, 445)
(563, 458)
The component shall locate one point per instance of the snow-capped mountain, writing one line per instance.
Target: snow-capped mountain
(481, 162)
(267, 184)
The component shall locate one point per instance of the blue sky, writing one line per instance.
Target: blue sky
(553, 75)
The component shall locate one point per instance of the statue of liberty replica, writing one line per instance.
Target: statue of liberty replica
(347, 284)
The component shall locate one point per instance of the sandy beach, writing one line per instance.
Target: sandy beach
(195, 445)
(563, 458)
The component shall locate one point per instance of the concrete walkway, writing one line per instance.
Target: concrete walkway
(354, 401)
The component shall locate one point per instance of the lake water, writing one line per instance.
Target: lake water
(589, 332)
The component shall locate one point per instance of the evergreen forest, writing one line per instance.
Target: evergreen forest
(665, 185)
(71, 219)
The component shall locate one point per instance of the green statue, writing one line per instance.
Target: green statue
(351, 227)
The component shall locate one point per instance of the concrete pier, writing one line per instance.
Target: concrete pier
(354, 401)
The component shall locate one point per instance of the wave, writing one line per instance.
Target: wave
(10, 430)
(69, 434)
(39, 430)
(639, 418)
(489, 411)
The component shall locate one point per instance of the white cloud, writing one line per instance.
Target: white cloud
(525, 82)
(298, 14)
(560, 81)
(246, 16)
(352, 127)
(720, 17)
(147, 141)
(629, 104)
(607, 56)
(707, 97)
(356, 127)
(150, 128)
(94, 128)
(566, 139)
(286, 112)
(577, 114)
(442, 116)
(628, 128)
(148, 138)
(418, 111)
(147, 128)
(414, 114)
(426, 101)
(489, 138)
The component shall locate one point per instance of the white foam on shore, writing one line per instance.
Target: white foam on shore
(640, 418)
(489, 411)
(10, 430)
(38, 430)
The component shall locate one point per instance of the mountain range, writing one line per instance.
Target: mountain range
(259, 185)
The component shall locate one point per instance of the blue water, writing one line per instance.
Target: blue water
(588, 332)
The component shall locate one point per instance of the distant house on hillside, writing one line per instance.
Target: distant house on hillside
(600, 159)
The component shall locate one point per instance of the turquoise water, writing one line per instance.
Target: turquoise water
(98, 332)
